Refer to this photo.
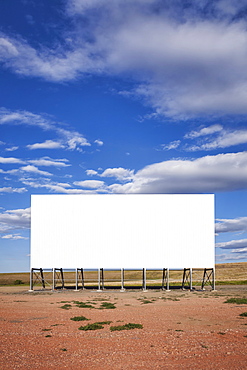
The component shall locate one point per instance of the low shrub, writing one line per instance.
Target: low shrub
(237, 300)
(128, 326)
(243, 314)
(94, 326)
(79, 318)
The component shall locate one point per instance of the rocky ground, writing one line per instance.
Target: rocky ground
(180, 329)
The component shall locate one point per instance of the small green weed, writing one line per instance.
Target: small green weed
(221, 333)
(48, 336)
(82, 304)
(146, 301)
(79, 318)
(107, 305)
(94, 326)
(103, 322)
(243, 314)
(64, 349)
(66, 306)
(178, 330)
(237, 300)
(46, 329)
(128, 326)
(18, 282)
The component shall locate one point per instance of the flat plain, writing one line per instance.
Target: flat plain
(170, 329)
(195, 330)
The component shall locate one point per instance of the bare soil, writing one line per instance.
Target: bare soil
(181, 329)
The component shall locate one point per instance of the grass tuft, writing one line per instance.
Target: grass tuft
(79, 318)
(146, 301)
(103, 322)
(66, 306)
(237, 300)
(94, 326)
(128, 326)
(83, 304)
(107, 305)
(243, 314)
(18, 282)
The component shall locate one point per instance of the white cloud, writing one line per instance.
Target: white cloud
(231, 225)
(54, 187)
(33, 169)
(233, 244)
(231, 257)
(91, 172)
(46, 161)
(68, 139)
(10, 160)
(99, 142)
(222, 172)
(12, 148)
(227, 139)
(15, 219)
(120, 173)
(48, 144)
(172, 145)
(13, 237)
(224, 139)
(204, 131)
(91, 184)
(12, 190)
(186, 60)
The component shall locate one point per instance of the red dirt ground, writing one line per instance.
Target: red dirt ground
(181, 329)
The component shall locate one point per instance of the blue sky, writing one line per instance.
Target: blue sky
(123, 96)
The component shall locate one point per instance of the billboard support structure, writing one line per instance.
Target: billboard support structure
(165, 280)
(187, 278)
(37, 276)
(208, 277)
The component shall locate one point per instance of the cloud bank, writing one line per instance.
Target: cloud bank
(184, 60)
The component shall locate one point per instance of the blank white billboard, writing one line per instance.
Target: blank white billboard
(128, 231)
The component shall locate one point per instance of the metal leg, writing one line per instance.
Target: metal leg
(42, 277)
(53, 279)
(213, 286)
(122, 281)
(144, 286)
(190, 278)
(167, 280)
(76, 279)
(82, 279)
(163, 279)
(102, 278)
(62, 277)
(31, 280)
(99, 284)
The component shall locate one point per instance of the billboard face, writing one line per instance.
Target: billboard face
(128, 231)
